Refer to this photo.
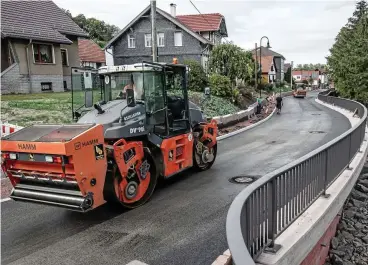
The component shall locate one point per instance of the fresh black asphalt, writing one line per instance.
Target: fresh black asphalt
(184, 222)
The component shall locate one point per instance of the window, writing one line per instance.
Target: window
(64, 57)
(131, 41)
(148, 40)
(178, 38)
(43, 53)
(272, 68)
(160, 39)
(47, 86)
(65, 85)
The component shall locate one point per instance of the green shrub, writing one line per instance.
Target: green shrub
(269, 87)
(220, 85)
(197, 77)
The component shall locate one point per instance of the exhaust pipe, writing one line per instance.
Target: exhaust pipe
(68, 199)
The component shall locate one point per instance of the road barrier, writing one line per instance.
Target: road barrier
(264, 209)
(7, 128)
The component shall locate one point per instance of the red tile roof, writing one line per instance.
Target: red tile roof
(89, 51)
(204, 22)
(305, 72)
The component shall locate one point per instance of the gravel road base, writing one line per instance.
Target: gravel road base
(350, 244)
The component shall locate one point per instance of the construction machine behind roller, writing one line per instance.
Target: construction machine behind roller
(143, 127)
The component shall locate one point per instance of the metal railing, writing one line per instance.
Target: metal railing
(264, 209)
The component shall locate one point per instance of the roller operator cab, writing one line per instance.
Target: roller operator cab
(143, 127)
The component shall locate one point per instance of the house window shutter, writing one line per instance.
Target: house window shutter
(178, 38)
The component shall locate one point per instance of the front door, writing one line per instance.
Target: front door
(167, 112)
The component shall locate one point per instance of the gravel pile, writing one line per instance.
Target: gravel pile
(350, 245)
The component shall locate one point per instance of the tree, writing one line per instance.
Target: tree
(287, 75)
(197, 77)
(348, 59)
(232, 61)
(310, 66)
(98, 30)
(220, 85)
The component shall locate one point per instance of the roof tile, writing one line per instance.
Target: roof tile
(89, 51)
(37, 19)
(201, 22)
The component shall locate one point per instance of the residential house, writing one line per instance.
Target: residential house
(180, 37)
(90, 54)
(39, 45)
(272, 64)
(309, 75)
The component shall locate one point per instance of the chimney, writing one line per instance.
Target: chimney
(173, 9)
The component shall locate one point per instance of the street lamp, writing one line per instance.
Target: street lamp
(260, 60)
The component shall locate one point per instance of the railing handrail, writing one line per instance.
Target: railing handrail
(234, 222)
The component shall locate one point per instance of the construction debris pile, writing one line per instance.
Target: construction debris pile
(266, 111)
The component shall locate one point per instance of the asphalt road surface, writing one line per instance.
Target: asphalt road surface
(184, 223)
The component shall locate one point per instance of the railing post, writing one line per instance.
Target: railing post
(324, 194)
(272, 220)
(348, 167)
(361, 139)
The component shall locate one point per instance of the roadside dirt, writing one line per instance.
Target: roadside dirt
(6, 187)
(266, 111)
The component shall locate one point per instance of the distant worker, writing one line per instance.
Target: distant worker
(279, 104)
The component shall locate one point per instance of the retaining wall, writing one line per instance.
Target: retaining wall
(231, 119)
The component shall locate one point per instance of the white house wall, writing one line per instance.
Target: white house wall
(109, 58)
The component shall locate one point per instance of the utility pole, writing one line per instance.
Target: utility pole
(255, 70)
(291, 75)
(260, 66)
(153, 31)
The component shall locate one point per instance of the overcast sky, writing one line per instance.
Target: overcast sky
(303, 31)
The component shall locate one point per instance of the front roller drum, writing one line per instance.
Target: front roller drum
(136, 188)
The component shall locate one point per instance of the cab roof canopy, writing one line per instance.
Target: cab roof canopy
(138, 67)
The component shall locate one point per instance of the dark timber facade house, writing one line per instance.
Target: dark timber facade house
(39, 46)
(181, 37)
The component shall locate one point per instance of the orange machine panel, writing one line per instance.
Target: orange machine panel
(177, 153)
(210, 133)
(83, 145)
(90, 163)
(33, 147)
(130, 156)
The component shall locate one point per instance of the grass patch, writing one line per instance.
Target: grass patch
(54, 108)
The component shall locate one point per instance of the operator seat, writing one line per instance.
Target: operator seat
(176, 107)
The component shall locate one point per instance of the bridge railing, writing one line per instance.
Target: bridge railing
(264, 209)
